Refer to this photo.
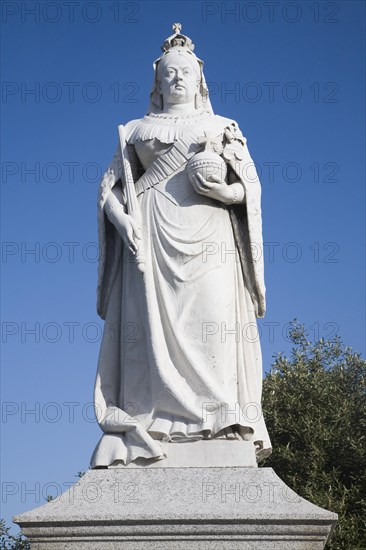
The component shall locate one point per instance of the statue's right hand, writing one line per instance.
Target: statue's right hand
(125, 224)
(128, 229)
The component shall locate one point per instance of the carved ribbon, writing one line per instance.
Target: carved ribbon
(167, 164)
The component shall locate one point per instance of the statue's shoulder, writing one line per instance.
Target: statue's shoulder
(131, 126)
(224, 120)
(133, 123)
(221, 122)
(229, 126)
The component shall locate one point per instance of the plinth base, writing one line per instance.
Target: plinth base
(201, 454)
(227, 508)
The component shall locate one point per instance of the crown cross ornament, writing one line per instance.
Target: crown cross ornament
(177, 27)
(177, 40)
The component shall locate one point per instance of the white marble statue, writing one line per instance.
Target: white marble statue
(180, 276)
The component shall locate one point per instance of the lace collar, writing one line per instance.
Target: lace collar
(164, 118)
(167, 128)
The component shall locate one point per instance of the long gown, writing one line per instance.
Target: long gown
(180, 358)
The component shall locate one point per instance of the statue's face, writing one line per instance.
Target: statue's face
(178, 79)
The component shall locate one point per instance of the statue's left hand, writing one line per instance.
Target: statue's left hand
(215, 190)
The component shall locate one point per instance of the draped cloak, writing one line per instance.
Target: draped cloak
(137, 406)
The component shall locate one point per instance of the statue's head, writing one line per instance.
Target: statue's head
(178, 75)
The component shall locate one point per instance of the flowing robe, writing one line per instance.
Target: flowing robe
(180, 358)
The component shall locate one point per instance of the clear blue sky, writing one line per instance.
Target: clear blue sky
(291, 74)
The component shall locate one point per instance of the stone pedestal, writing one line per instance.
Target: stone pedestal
(178, 508)
(201, 454)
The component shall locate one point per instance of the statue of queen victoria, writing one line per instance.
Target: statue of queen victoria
(180, 275)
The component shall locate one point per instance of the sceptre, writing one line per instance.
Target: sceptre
(133, 207)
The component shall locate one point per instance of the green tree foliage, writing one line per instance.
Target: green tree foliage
(314, 403)
(11, 542)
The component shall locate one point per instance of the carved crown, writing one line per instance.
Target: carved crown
(177, 40)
